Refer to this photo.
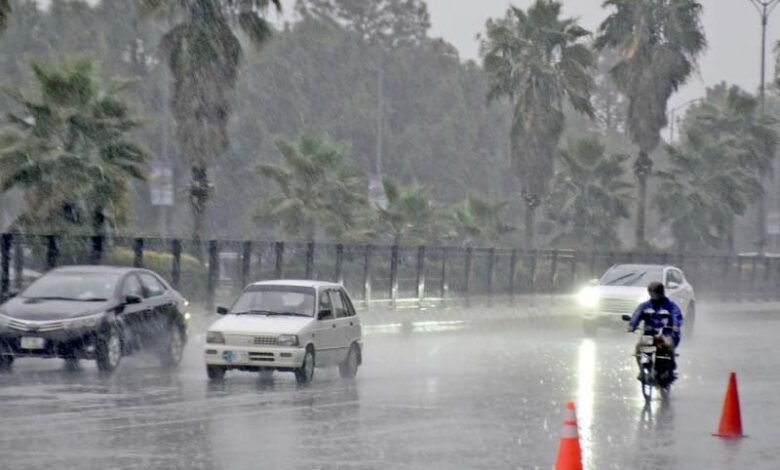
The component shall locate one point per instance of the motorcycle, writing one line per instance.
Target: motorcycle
(654, 357)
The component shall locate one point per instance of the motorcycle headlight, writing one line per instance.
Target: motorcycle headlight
(287, 340)
(215, 337)
(588, 297)
(84, 322)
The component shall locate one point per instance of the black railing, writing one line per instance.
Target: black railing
(373, 273)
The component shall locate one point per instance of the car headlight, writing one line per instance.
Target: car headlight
(588, 297)
(215, 337)
(84, 322)
(287, 340)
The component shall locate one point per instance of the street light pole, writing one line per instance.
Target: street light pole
(673, 112)
(765, 9)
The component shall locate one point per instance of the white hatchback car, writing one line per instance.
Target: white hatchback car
(624, 286)
(290, 326)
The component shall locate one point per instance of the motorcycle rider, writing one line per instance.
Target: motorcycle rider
(651, 311)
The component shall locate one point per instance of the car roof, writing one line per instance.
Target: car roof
(298, 283)
(95, 269)
(644, 266)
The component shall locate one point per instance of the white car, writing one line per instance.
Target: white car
(624, 286)
(290, 326)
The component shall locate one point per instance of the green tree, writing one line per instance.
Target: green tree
(659, 42)
(704, 189)
(537, 60)
(590, 195)
(71, 152)
(410, 217)
(204, 56)
(319, 193)
(478, 220)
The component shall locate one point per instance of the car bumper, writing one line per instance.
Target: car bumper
(244, 357)
(61, 344)
(604, 318)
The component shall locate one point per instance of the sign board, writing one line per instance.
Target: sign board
(161, 183)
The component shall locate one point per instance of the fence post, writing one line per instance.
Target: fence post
(279, 249)
(765, 289)
(176, 263)
(739, 277)
(393, 275)
(18, 263)
(367, 276)
(574, 270)
(724, 281)
(554, 272)
(213, 276)
(420, 275)
(445, 286)
(753, 274)
(5, 264)
(340, 264)
(592, 266)
(138, 252)
(533, 272)
(52, 252)
(512, 273)
(246, 263)
(310, 260)
(467, 274)
(96, 257)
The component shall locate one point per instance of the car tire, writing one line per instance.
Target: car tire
(108, 350)
(305, 373)
(589, 328)
(6, 363)
(216, 373)
(171, 347)
(348, 369)
(689, 320)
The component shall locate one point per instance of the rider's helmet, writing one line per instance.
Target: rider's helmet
(656, 291)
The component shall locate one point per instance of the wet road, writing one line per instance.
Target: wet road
(459, 398)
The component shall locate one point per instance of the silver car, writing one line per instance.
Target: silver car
(624, 286)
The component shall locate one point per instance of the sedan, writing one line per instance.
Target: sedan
(96, 313)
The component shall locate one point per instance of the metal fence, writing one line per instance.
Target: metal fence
(391, 275)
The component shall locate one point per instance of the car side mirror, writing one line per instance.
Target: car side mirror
(132, 299)
(324, 314)
(222, 311)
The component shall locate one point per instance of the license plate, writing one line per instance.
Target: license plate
(235, 356)
(29, 342)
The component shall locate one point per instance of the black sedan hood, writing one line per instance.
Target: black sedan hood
(51, 310)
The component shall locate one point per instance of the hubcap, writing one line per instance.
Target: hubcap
(114, 349)
(309, 366)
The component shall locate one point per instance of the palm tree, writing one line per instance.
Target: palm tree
(477, 220)
(659, 42)
(204, 55)
(704, 189)
(319, 191)
(590, 195)
(537, 60)
(71, 152)
(410, 216)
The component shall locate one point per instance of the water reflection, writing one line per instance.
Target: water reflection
(585, 395)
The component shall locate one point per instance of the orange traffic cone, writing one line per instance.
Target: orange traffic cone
(731, 418)
(569, 453)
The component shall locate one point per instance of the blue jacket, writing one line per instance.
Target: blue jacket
(655, 321)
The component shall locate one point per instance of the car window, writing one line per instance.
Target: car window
(325, 302)
(152, 286)
(673, 276)
(339, 309)
(132, 286)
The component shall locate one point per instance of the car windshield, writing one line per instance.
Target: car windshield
(73, 286)
(275, 300)
(637, 276)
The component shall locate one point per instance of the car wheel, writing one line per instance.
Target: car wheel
(172, 346)
(305, 373)
(108, 350)
(216, 373)
(6, 363)
(348, 369)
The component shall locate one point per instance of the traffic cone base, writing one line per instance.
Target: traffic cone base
(569, 452)
(731, 417)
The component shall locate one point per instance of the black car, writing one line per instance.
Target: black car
(94, 312)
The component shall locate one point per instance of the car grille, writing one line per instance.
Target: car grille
(618, 306)
(262, 357)
(35, 327)
(265, 340)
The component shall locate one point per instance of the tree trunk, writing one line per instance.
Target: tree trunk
(642, 170)
(731, 228)
(530, 226)
(200, 190)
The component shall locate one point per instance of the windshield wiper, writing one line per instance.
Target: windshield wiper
(71, 299)
(287, 314)
(93, 299)
(254, 312)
